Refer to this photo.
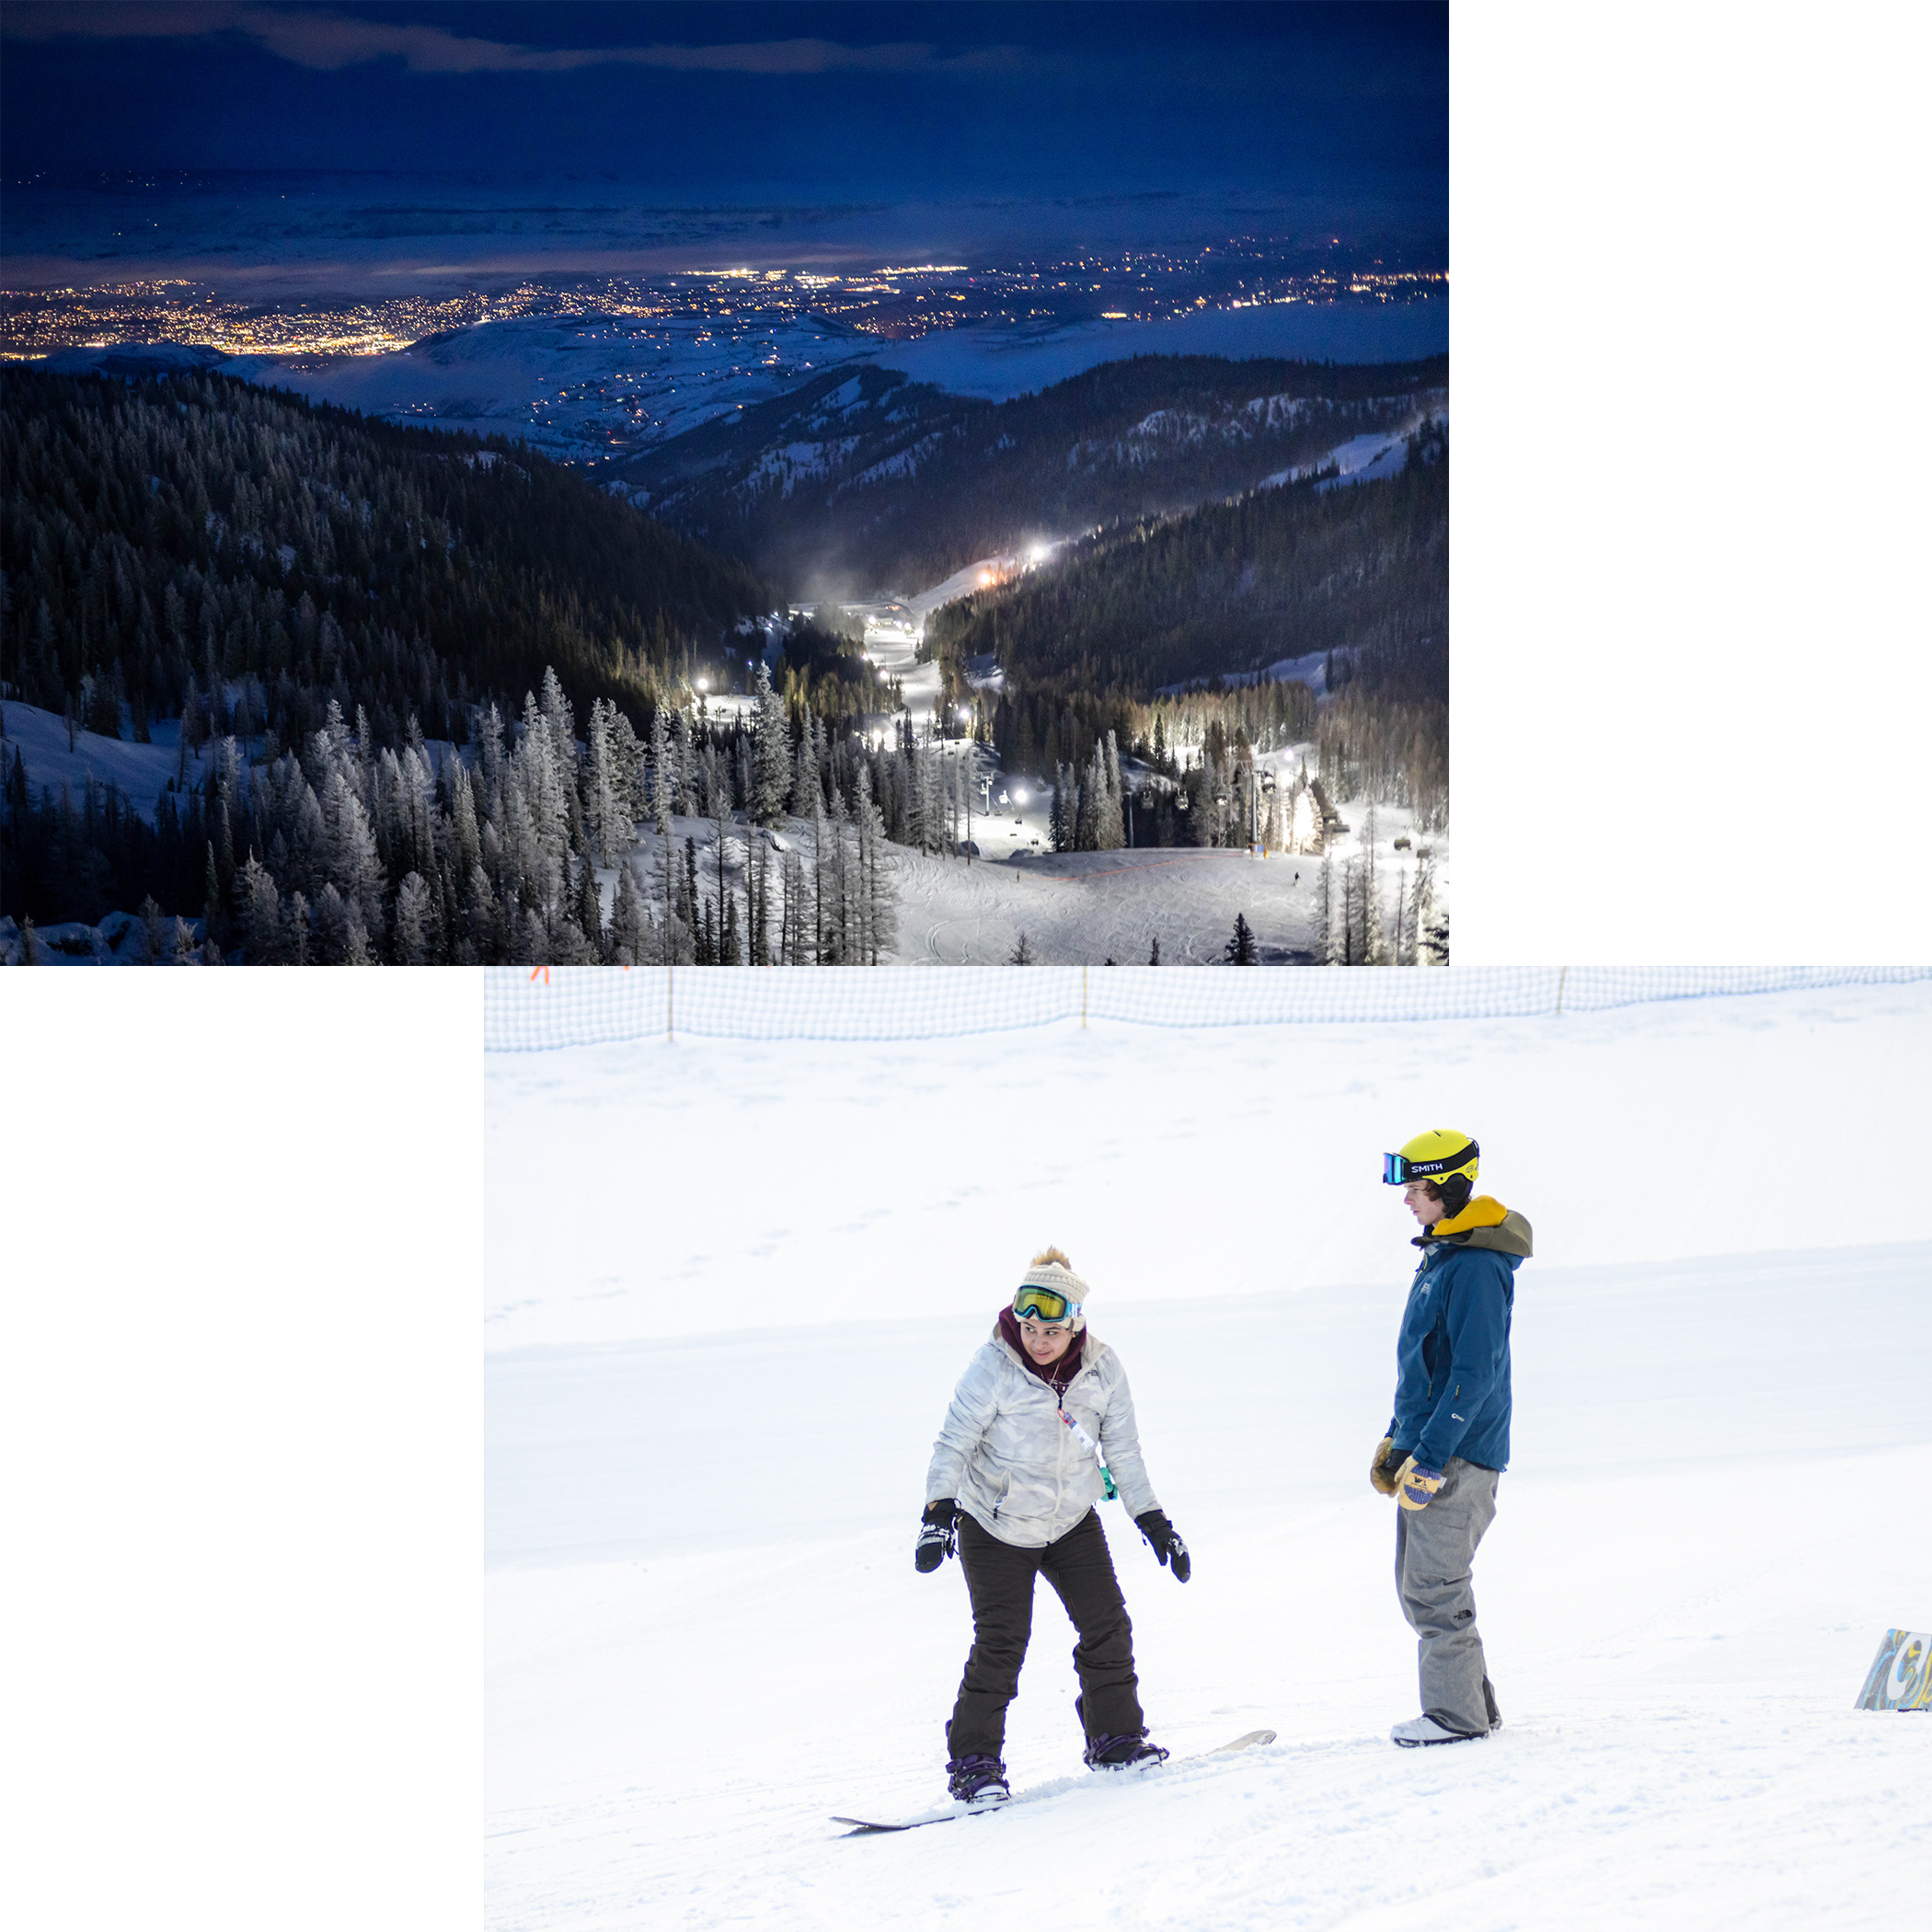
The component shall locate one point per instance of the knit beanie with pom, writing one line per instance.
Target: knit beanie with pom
(1051, 1269)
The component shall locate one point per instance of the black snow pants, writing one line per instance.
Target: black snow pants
(999, 1580)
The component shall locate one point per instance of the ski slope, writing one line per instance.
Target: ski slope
(730, 1286)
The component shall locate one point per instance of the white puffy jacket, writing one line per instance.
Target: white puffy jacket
(1015, 1467)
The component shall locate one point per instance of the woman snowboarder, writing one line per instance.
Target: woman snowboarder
(1040, 1428)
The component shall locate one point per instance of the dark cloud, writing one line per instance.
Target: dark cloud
(325, 39)
(1338, 108)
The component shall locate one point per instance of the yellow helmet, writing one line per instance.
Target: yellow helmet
(1437, 1155)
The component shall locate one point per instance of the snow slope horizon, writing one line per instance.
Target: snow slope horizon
(1291, 1114)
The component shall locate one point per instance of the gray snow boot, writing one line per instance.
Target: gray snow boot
(1426, 1730)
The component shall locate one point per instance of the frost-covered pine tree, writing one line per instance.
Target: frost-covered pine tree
(1375, 927)
(771, 752)
(555, 708)
(607, 816)
(820, 864)
(684, 801)
(1110, 829)
(805, 774)
(412, 921)
(1431, 924)
(352, 861)
(1329, 940)
(794, 947)
(662, 784)
(628, 760)
(879, 922)
(263, 928)
(630, 934)
(466, 842)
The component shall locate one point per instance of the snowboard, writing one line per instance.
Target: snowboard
(1246, 1741)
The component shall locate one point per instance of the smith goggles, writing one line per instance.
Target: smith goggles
(1398, 1172)
(1043, 1304)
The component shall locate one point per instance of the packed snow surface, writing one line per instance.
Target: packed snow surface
(730, 1286)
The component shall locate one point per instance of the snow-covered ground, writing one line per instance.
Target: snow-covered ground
(708, 1419)
(1007, 362)
(141, 771)
(579, 388)
(583, 389)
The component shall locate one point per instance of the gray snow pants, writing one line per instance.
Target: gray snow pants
(1434, 1549)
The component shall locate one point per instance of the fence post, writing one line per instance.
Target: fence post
(1560, 978)
(1083, 995)
(670, 1036)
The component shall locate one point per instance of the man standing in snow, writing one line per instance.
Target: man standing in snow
(1449, 1439)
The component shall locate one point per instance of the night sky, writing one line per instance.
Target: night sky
(1339, 112)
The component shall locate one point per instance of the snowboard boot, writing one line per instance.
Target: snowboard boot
(1113, 1753)
(1426, 1730)
(977, 1780)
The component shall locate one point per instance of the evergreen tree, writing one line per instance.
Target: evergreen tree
(771, 755)
(1374, 933)
(412, 922)
(1240, 949)
(589, 909)
(662, 784)
(630, 934)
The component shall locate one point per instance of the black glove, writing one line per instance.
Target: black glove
(1167, 1545)
(938, 1536)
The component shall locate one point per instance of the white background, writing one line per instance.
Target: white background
(244, 1213)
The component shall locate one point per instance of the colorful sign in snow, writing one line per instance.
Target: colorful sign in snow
(1901, 1674)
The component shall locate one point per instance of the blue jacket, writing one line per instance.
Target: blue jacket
(1453, 1357)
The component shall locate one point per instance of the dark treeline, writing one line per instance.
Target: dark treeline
(1230, 587)
(196, 547)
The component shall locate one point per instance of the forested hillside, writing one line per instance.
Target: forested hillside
(1360, 574)
(854, 483)
(319, 601)
(238, 558)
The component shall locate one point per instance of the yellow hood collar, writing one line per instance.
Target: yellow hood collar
(1484, 1211)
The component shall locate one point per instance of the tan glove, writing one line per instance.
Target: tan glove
(1382, 1469)
(1416, 1486)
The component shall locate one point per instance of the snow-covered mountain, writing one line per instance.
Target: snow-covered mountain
(861, 481)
